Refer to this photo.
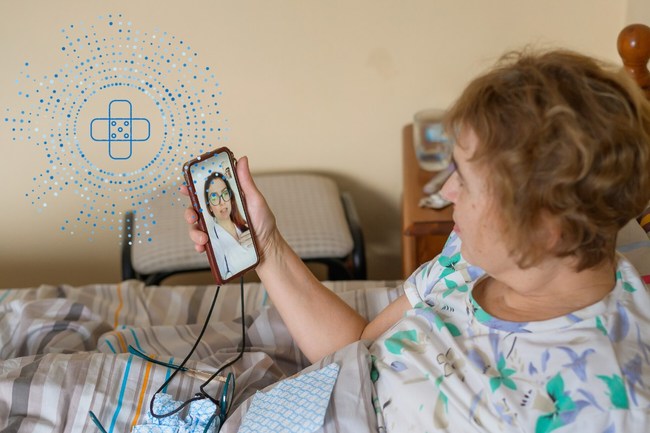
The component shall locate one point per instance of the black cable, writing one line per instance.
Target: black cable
(241, 351)
(182, 365)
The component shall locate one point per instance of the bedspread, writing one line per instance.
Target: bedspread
(64, 352)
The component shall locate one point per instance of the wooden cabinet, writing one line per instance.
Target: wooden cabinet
(424, 230)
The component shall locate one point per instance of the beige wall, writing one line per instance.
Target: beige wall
(323, 86)
(638, 11)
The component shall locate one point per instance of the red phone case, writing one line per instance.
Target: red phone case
(220, 246)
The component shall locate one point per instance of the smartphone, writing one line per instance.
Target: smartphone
(221, 208)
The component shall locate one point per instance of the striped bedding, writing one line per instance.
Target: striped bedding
(64, 352)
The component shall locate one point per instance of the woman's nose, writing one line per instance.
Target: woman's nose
(449, 190)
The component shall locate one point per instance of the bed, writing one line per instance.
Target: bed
(69, 352)
(65, 350)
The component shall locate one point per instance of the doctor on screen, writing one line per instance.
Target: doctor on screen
(229, 234)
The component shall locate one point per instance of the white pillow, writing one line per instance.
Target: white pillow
(633, 243)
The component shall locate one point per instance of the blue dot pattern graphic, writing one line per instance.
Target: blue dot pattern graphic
(111, 54)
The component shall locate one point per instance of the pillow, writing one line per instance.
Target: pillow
(633, 242)
(644, 220)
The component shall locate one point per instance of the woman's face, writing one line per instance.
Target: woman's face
(220, 208)
(476, 217)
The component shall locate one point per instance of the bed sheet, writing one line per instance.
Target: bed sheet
(64, 352)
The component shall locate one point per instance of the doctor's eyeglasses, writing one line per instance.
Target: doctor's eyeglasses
(215, 198)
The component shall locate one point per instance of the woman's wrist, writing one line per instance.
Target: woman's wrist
(272, 250)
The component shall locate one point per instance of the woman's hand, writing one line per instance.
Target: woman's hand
(293, 288)
(260, 216)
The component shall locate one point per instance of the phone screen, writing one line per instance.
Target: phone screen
(212, 181)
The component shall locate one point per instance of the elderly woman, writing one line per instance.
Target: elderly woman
(528, 320)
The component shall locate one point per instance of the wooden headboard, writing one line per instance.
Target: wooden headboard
(634, 49)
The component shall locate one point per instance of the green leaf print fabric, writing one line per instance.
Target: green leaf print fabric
(448, 365)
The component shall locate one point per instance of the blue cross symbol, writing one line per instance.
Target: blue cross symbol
(120, 124)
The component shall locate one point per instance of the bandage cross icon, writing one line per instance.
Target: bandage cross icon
(118, 129)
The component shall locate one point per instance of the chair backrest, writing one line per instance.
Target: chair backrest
(634, 48)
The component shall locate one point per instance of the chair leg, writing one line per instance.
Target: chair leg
(359, 270)
(336, 269)
(128, 272)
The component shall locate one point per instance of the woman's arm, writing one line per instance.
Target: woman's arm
(317, 318)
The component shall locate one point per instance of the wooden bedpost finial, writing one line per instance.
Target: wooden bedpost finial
(634, 48)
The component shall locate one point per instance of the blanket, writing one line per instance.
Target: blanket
(64, 352)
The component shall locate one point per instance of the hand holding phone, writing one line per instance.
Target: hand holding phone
(221, 209)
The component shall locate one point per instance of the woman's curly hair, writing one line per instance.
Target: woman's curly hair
(564, 135)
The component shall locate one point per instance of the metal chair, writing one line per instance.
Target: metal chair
(319, 223)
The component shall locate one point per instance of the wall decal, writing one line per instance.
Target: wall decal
(114, 121)
(120, 124)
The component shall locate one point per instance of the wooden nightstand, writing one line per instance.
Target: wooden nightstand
(424, 231)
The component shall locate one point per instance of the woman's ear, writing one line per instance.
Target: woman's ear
(551, 230)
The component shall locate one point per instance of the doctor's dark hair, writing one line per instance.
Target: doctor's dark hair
(563, 138)
(235, 216)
